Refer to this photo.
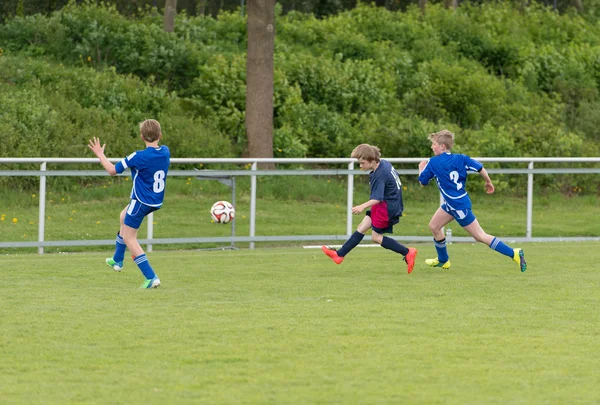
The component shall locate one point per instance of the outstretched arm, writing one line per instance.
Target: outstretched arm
(94, 145)
(359, 208)
(489, 187)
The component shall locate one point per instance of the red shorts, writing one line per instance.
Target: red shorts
(380, 219)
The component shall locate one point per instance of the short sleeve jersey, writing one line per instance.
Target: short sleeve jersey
(386, 186)
(450, 172)
(149, 169)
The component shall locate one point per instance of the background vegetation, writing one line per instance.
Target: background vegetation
(509, 81)
(319, 8)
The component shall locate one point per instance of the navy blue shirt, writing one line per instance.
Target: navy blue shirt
(149, 169)
(450, 172)
(386, 186)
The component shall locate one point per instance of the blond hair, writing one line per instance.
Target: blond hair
(366, 152)
(443, 137)
(150, 130)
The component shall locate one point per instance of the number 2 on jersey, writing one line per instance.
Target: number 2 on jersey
(454, 178)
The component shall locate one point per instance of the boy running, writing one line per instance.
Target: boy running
(386, 207)
(450, 173)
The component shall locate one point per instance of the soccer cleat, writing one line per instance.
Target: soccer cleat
(333, 254)
(436, 263)
(151, 283)
(116, 266)
(410, 259)
(519, 258)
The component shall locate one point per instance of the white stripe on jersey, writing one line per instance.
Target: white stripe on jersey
(442, 191)
(124, 161)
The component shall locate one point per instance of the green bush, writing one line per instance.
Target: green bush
(509, 81)
(456, 92)
(351, 86)
(52, 111)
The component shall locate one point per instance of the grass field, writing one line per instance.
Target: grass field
(287, 326)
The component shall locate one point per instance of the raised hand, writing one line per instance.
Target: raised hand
(94, 145)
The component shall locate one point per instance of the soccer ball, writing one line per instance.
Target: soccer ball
(222, 212)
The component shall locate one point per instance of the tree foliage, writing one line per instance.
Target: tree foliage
(509, 82)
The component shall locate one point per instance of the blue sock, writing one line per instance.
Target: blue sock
(144, 265)
(394, 246)
(119, 249)
(501, 247)
(350, 243)
(440, 246)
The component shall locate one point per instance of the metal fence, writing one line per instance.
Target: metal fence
(254, 172)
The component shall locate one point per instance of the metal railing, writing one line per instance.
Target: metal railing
(254, 172)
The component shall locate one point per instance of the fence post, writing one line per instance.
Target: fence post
(350, 200)
(253, 204)
(529, 201)
(42, 210)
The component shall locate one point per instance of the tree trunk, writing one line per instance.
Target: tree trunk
(453, 4)
(523, 4)
(578, 4)
(170, 12)
(422, 5)
(259, 77)
(201, 7)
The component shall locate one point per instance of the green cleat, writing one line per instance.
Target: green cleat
(436, 263)
(519, 258)
(151, 283)
(116, 266)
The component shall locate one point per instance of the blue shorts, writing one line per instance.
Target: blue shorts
(389, 222)
(136, 212)
(464, 217)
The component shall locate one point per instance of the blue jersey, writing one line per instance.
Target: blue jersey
(450, 172)
(149, 169)
(387, 188)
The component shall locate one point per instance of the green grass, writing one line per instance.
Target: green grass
(287, 326)
(92, 212)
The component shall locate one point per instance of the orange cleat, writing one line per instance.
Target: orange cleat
(333, 254)
(410, 259)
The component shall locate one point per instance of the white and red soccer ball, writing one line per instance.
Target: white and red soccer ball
(222, 212)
